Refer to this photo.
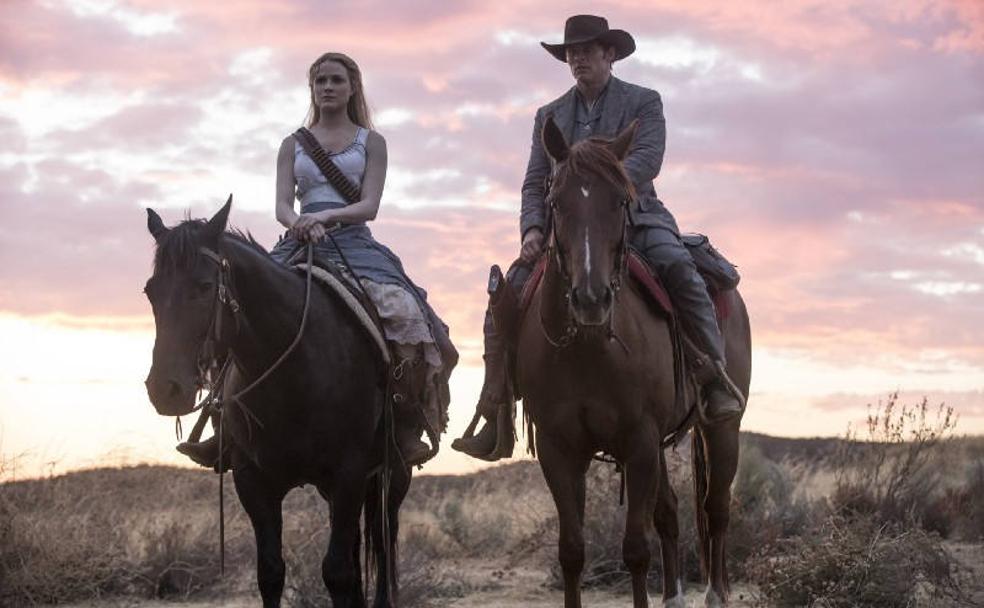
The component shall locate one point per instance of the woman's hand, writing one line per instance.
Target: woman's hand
(302, 225)
(315, 233)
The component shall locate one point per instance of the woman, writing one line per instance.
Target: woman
(339, 120)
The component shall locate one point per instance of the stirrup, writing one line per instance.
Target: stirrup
(720, 381)
(505, 439)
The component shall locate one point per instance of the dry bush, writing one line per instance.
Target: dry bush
(855, 562)
(604, 528)
(423, 579)
(107, 533)
(486, 514)
(894, 471)
(963, 504)
(475, 528)
(767, 505)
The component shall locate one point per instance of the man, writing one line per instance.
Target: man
(601, 105)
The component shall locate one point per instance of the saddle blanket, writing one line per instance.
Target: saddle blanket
(333, 283)
(642, 273)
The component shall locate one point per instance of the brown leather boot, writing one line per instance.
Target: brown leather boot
(721, 404)
(414, 451)
(495, 440)
(722, 399)
(407, 395)
(206, 453)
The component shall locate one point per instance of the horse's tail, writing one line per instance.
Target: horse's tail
(380, 534)
(700, 498)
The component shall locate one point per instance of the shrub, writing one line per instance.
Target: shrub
(765, 507)
(964, 504)
(854, 562)
(892, 471)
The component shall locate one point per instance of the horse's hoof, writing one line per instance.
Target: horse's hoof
(675, 602)
(712, 599)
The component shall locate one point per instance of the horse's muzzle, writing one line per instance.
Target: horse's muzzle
(592, 307)
(170, 397)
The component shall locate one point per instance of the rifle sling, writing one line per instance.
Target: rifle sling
(332, 173)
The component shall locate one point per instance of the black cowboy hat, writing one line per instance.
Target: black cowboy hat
(586, 28)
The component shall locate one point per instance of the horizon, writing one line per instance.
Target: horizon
(830, 149)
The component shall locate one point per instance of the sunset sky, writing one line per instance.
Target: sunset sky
(834, 150)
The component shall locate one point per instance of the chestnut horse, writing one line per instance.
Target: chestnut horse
(595, 368)
(316, 419)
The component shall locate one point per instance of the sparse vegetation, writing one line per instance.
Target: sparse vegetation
(847, 562)
(893, 472)
(832, 522)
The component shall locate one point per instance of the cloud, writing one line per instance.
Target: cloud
(964, 403)
(827, 147)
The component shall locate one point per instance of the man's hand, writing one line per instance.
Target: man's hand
(532, 245)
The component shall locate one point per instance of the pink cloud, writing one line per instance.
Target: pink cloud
(857, 109)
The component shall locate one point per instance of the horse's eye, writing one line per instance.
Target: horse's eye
(203, 289)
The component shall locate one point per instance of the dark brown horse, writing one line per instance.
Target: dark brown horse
(316, 419)
(596, 371)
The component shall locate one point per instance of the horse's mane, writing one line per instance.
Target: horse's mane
(593, 156)
(180, 247)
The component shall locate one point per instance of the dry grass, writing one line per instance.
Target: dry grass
(856, 562)
(150, 532)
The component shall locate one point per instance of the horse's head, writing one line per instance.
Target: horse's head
(184, 293)
(589, 200)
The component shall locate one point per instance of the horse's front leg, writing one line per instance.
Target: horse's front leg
(340, 568)
(668, 527)
(565, 473)
(721, 447)
(263, 506)
(642, 467)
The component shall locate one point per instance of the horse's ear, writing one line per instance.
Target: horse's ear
(155, 225)
(217, 224)
(620, 145)
(553, 140)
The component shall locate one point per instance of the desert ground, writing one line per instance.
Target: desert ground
(802, 534)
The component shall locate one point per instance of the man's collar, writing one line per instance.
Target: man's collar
(601, 93)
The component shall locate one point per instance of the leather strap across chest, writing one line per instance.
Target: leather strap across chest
(329, 169)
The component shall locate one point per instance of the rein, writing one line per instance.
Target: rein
(213, 401)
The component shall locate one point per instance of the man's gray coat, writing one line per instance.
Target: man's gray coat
(624, 103)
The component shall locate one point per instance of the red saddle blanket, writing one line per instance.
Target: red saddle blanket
(643, 276)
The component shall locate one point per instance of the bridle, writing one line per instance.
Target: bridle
(208, 363)
(209, 374)
(571, 327)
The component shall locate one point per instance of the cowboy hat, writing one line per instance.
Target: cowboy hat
(587, 28)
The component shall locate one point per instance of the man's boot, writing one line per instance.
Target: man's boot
(495, 440)
(722, 399)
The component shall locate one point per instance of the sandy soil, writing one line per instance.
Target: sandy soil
(524, 587)
(502, 588)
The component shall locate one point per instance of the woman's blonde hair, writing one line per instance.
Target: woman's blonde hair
(358, 109)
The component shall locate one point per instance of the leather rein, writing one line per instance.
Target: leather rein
(208, 364)
(571, 326)
(208, 361)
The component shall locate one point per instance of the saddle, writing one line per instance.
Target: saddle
(642, 273)
(719, 275)
(331, 276)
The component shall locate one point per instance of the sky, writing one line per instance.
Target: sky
(834, 150)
